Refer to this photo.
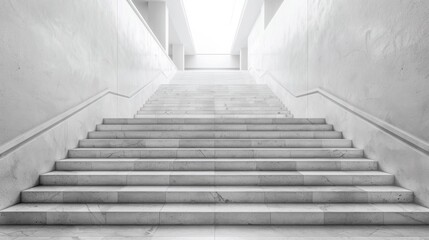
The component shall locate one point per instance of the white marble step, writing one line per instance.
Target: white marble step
(212, 108)
(220, 178)
(185, 106)
(190, 98)
(216, 194)
(216, 213)
(215, 90)
(210, 112)
(211, 115)
(218, 93)
(216, 127)
(251, 120)
(215, 143)
(228, 97)
(214, 94)
(211, 86)
(218, 164)
(260, 104)
(208, 82)
(216, 134)
(265, 102)
(215, 153)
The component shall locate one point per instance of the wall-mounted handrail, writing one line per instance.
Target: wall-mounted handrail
(386, 127)
(20, 140)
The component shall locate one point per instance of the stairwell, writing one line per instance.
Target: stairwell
(215, 148)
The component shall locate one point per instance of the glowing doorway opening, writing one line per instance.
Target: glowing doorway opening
(213, 24)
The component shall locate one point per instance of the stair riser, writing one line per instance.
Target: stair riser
(227, 97)
(198, 105)
(215, 135)
(207, 95)
(210, 112)
(211, 115)
(216, 153)
(216, 127)
(125, 165)
(210, 107)
(224, 143)
(215, 197)
(217, 91)
(212, 88)
(212, 218)
(210, 97)
(212, 180)
(251, 120)
(216, 102)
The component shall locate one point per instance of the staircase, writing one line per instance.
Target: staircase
(215, 148)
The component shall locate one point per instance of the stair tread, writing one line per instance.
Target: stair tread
(217, 149)
(220, 124)
(209, 115)
(225, 164)
(216, 120)
(229, 139)
(219, 131)
(221, 159)
(227, 173)
(218, 207)
(385, 189)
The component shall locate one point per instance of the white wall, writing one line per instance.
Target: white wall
(158, 21)
(143, 7)
(371, 54)
(55, 55)
(243, 59)
(178, 56)
(204, 62)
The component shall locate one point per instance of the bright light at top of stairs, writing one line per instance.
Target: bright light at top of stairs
(213, 24)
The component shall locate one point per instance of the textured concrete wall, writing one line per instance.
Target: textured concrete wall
(372, 54)
(56, 54)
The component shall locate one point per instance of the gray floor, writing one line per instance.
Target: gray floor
(214, 232)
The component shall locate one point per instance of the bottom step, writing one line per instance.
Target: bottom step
(215, 214)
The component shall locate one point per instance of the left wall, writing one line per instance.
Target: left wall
(64, 66)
